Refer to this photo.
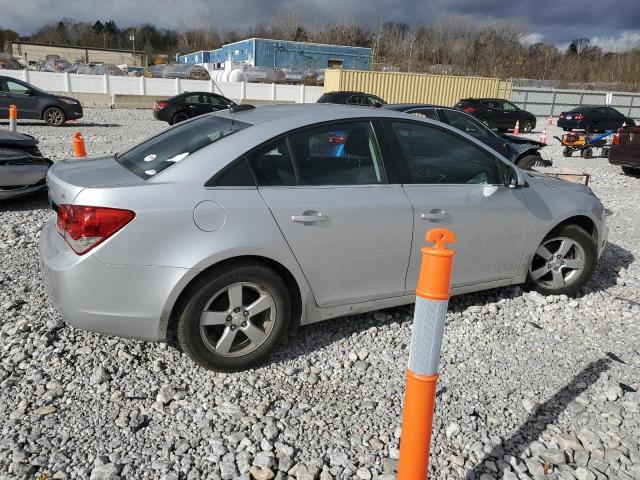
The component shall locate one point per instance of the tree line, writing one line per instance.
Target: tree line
(452, 45)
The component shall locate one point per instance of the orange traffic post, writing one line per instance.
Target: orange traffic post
(543, 136)
(432, 299)
(516, 130)
(13, 118)
(79, 149)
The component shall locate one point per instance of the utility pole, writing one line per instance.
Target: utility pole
(133, 48)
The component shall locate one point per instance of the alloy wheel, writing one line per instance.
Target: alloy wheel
(237, 319)
(557, 263)
(54, 116)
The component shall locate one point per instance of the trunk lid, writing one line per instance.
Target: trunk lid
(66, 179)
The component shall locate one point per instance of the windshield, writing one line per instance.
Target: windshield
(175, 144)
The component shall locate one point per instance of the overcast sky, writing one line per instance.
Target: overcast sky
(611, 24)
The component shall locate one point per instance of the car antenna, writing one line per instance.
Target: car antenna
(240, 108)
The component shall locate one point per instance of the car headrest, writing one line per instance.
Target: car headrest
(357, 144)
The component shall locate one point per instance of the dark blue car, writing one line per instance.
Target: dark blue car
(524, 152)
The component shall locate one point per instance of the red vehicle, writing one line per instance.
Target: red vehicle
(625, 150)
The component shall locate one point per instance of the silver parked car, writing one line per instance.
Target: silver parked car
(22, 166)
(231, 228)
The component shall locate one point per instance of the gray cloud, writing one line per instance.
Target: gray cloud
(556, 21)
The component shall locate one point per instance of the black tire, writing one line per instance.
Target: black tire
(179, 117)
(631, 171)
(590, 257)
(605, 152)
(567, 152)
(591, 128)
(54, 117)
(526, 126)
(529, 162)
(586, 153)
(191, 336)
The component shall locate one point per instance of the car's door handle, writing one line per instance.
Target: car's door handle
(435, 215)
(309, 217)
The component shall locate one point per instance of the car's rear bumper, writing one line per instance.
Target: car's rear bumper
(20, 180)
(563, 123)
(121, 300)
(624, 158)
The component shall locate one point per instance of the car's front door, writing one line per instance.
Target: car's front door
(348, 226)
(198, 104)
(511, 114)
(454, 183)
(20, 95)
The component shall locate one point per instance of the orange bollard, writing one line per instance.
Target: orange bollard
(550, 120)
(13, 118)
(516, 130)
(79, 149)
(432, 298)
(543, 137)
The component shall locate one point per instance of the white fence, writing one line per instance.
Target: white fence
(548, 101)
(164, 87)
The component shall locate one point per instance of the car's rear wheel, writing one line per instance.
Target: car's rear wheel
(526, 126)
(234, 318)
(563, 263)
(179, 117)
(529, 162)
(54, 117)
(631, 171)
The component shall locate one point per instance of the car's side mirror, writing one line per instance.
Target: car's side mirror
(514, 179)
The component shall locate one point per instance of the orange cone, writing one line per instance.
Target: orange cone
(13, 118)
(543, 137)
(516, 131)
(550, 120)
(432, 297)
(79, 150)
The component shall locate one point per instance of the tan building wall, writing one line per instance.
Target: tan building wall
(416, 88)
(35, 52)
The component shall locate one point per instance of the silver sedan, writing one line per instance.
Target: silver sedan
(233, 228)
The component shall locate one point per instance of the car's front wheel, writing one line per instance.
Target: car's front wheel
(529, 162)
(54, 117)
(234, 318)
(564, 262)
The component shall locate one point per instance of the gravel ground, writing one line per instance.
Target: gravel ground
(531, 386)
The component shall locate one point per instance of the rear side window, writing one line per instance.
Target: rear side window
(272, 165)
(338, 154)
(434, 156)
(175, 144)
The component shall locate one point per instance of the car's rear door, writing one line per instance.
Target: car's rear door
(454, 183)
(347, 222)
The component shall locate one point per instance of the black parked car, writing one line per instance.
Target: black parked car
(593, 119)
(522, 151)
(22, 166)
(498, 113)
(187, 105)
(352, 98)
(33, 103)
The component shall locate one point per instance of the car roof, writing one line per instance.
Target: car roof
(401, 107)
(306, 113)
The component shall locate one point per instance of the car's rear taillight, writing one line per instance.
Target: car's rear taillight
(469, 109)
(85, 227)
(616, 137)
(337, 139)
(579, 117)
(160, 104)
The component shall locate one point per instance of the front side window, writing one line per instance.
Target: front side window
(338, 154)
(434, 156)
(509, 106)
(464, 122)
(490, 103)
(175, 144)
(15, 87)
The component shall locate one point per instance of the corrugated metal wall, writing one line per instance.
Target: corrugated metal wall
(419, 88)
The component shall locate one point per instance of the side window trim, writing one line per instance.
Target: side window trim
(211, 183)
(403, 169)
